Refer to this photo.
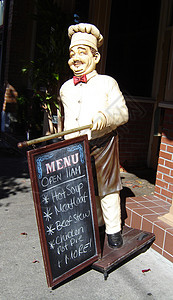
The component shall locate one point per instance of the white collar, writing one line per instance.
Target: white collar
(91, 75)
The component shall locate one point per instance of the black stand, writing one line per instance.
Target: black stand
(135, 241)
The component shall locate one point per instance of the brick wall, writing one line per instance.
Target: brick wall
(134, 136)
(164, 178)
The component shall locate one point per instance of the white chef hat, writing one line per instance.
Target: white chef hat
(85, 34)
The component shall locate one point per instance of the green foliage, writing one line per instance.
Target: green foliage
(51, 53)
(29, 115)
(49, 68)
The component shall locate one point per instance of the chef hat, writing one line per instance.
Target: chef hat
(85, 34)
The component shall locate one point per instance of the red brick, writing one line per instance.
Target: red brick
(169, 200)
(163, 198)
(170, 149)
(161, 161)
(170, 188)
(165, 155)
(157, 189)
(159, 233)
(156, 194)
(163, 170)
(169, 257)
(166, 141)
(156, 248)
(159, 175)
(169, 164)
(161, 184)
(167, 193)
(163, 147)
(168, 179)
(168, 243)
(136, 221)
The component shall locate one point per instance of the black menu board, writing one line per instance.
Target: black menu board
(63, 195)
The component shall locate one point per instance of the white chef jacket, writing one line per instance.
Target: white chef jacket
(83, 101)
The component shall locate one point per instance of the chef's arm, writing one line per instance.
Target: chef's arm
(116, 112)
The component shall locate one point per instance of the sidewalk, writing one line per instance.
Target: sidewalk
(22, 274)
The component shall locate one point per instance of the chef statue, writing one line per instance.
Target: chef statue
(90, 98)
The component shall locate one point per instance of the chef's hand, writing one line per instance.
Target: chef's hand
(99, 121)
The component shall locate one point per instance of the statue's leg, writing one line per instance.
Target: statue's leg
(110, 205)
(112, 216)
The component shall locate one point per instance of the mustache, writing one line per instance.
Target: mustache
(78, 61)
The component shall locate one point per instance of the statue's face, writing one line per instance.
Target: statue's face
(82, 60)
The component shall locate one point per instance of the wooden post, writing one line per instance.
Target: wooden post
(52, 136)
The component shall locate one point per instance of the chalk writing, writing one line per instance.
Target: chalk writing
(62, 163)
(73, 202)
(50, 230)
(47, 214)
(45, 199)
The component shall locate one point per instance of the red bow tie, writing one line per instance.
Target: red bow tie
(82, 78)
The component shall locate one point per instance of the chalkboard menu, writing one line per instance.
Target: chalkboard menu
(65, 209)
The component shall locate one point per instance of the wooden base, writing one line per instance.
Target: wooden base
(134, 241)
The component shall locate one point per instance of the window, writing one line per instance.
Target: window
(132, 45)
